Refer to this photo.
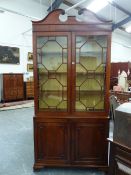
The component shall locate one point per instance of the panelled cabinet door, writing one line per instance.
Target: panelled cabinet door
(52, 142)
(89, 143)
(8, 84)
(13, 87)
(20, 87)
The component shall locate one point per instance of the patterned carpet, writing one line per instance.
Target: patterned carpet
(16, 105)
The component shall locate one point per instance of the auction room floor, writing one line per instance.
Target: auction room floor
(16, 146)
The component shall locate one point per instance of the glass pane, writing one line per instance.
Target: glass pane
(52, 73)
(64, 55)
(41, 41)
(90, 72)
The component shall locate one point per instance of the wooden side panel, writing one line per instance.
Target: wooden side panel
(90, 145)
(52, 144)
(119, 159)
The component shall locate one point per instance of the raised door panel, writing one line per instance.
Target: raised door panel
(13, 86)
(19, 86)
(52, 142)
(20, 94)
(89, 143)
(8, 83)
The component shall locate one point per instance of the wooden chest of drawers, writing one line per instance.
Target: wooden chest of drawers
(29, 89)
(120, 159)
(12, 87)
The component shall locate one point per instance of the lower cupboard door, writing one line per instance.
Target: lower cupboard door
(89, 144)
(52, 143)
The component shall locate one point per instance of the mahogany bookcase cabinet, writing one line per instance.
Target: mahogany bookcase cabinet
(71, 81)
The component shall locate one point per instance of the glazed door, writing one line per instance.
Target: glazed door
(89, 58)
(89, 132)
(71, 71)
(54, 70)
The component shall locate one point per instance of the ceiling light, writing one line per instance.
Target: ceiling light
(128, 29)
(97, 5)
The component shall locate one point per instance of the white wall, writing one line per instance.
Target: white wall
(12, 27)
(13, 31)
(120, 47)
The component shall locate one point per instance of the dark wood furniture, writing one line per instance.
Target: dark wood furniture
(121, 97)
(120, 146)
(29, 89)
(120, 159)
(71, 74)
(12, 87)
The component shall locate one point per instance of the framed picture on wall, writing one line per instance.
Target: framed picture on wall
(30, 56)
(9, 55)
(30, 67)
